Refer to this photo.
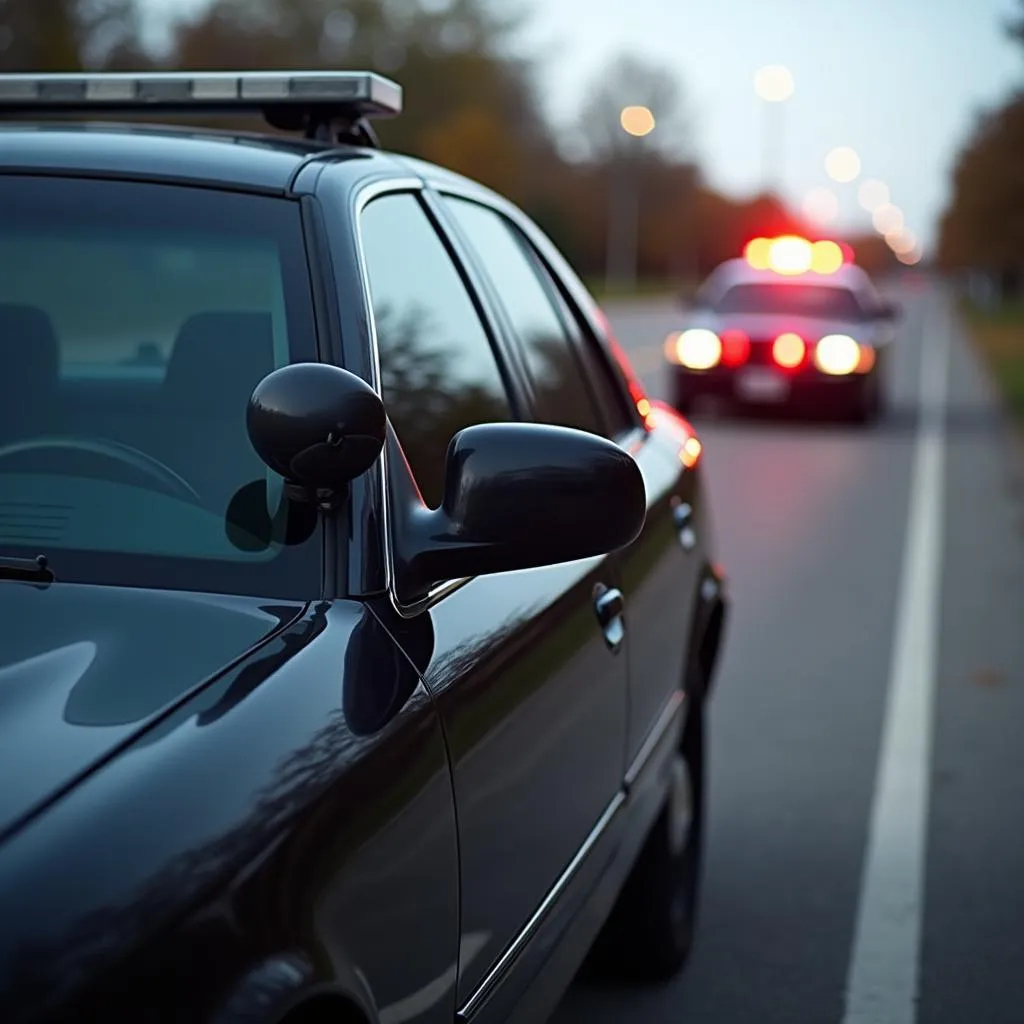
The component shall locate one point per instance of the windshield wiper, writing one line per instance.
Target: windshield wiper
(29, 570)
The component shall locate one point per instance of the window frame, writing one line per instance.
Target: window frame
(574, 297)
(511, 371)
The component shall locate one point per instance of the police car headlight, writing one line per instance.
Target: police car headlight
(837, 354)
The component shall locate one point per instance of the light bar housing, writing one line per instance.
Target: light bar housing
(289, 99)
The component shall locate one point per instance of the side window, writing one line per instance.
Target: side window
(438, 370)
(561, 394)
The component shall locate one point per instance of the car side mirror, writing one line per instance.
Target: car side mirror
(518, 496)
(317, 426)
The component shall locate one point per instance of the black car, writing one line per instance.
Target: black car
(358, 609)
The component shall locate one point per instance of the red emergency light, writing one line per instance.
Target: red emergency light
(791, 254)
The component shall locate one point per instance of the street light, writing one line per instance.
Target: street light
(842, 164)
(624, 212)
(774, 84)
(872, 194)
(637, 121)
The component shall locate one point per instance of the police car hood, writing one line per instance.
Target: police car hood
(769, 325)
(84, 669)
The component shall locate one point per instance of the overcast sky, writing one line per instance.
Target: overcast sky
(898, 80)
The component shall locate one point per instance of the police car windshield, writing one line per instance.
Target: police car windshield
(135, 321)
(824, 301)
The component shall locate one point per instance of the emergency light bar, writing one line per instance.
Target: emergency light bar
(287, 98)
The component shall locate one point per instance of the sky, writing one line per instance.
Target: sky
(900, 81)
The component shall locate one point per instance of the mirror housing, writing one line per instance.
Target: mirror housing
(518, 496)
(316, 425)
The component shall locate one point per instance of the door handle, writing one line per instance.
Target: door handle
(609, 605)
(682, 517)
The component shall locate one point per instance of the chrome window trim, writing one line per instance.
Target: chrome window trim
(365, 195)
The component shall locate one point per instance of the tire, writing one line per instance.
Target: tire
(866, 401)
(650, 932)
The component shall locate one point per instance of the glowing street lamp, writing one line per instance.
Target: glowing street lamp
(624, 213)
(887, 219)
(872, 194)
(637, 121)
(842, 164)
(774, 85)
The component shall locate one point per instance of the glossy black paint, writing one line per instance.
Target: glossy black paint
(400, 814)
(518, 496)
(317, 426)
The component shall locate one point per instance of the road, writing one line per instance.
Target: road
(867, 727)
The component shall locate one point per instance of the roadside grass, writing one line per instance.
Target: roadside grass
(999, 335)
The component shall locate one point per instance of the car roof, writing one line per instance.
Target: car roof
(739, 271)
(250, 161)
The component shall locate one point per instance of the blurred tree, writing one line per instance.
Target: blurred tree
(69, 35)
(468, 102)
(983, 225)
(633, 81)
(1015, 25)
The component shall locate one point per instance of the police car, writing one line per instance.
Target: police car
(321, 698)
(792, 323)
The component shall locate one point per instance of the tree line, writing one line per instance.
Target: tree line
(471, 104)
(982, 229)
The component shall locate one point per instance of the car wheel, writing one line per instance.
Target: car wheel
(866, 401)
(651, 929)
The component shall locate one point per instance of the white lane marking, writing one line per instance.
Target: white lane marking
(883, 974)
(433, 992)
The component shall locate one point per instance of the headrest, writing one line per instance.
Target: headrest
(217, 361)
(29, 356)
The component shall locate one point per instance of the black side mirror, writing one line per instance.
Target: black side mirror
(318, 426)
(517, 496)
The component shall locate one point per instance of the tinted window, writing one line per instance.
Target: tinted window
(561, 395)
(795, 299)
(135, 320)
(438, 370)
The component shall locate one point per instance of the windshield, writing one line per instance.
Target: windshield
(135, 320)
(793, 299)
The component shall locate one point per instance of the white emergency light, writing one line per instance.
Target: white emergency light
(314, 98)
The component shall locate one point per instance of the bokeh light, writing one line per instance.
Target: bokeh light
(790, 254)
(842, 164)
(872, 194)
(901, 241)
(821, 205)
(774, 83)
(637, 121)
(757, 253)
(887, 219)
(826, 257)
(910, 258)
(789, 350)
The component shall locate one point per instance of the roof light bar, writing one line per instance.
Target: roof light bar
(351, 93)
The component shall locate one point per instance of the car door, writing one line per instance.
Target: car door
(661, 569)
(530, 688)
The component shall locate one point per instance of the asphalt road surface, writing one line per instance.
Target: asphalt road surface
(865, 857)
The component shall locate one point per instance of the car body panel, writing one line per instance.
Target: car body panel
(296, 811)
(82, 669)
(534, 709)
